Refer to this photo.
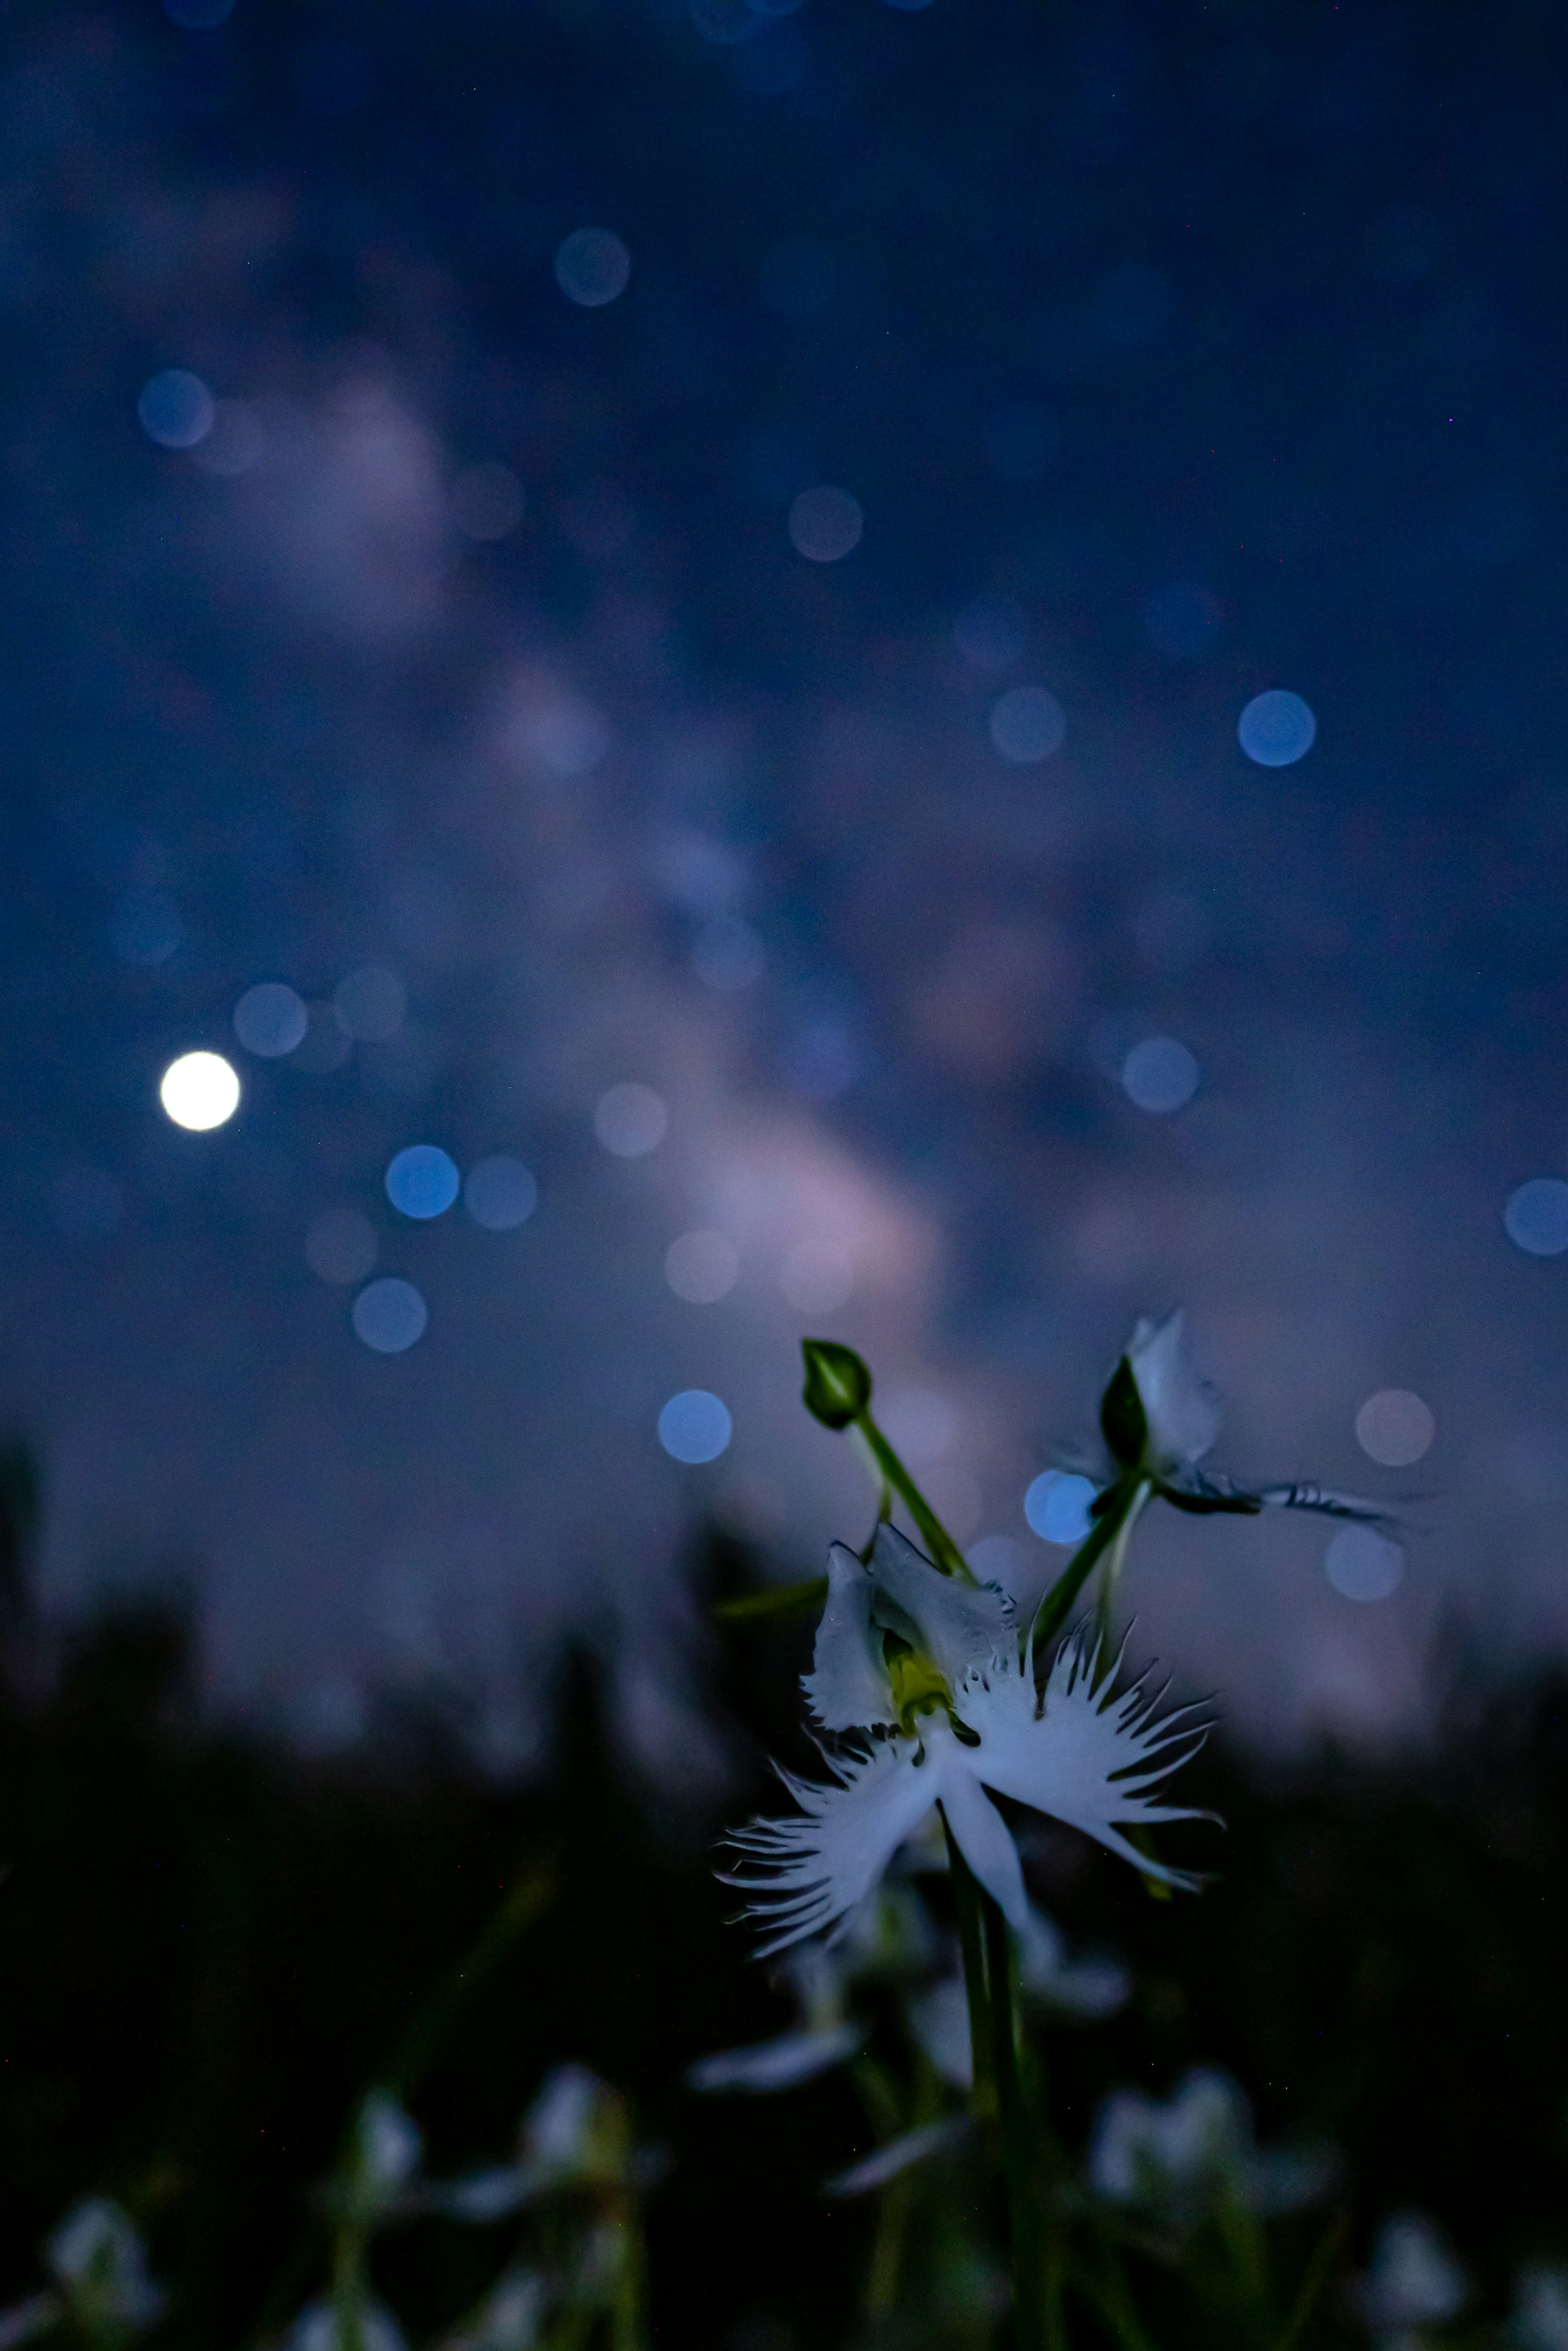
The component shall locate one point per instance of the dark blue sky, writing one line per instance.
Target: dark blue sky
(1162, 357)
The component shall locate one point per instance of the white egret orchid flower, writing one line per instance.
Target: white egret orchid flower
(1160, 1420)
(933, 1666)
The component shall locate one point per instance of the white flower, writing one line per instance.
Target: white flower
(576, 2134)
(935, 1664)
(1540, 2320)
(1160, 1419)
(324, 2326)
(898, 2154)
(100, 2260)
(1179, 2157)
(1412, 2279)
(1182, 1412)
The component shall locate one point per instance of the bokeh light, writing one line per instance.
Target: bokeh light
(340, 1246)
(1364, 1565)
(694, 1426)
(500, 1193)
(592, 266)
(1056, 1505)
(702, 1266)
(630, 1120)
(390, 1315)
(825, 524)
(422, 1181)
(270, 1020)
(176, 409)
(1027, 724)
(817, 1277)
(1395, 1426)
(1276, 729)
(1536, 1217)
(1160, 1075)
(200, 1090)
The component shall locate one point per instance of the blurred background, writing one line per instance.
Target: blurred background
(655, 604)
(880, 667)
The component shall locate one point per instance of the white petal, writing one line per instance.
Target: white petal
(939, 2018)
(931, 2138)
(846, 1689)
(1181, 1411)
(1086, 1757)
(983, 1836)
(804, 1872)
(956, 1624)
(776, 2065)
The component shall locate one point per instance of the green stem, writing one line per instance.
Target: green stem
(780, 1601)
(945, 1553)
(1111, 1574)
(1024, 2216)
(967, 1900)
(1052, 1612)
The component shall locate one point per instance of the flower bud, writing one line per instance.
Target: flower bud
(837, 1384)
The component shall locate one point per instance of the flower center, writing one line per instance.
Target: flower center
(918, 1686)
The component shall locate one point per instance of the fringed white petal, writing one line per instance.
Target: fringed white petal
(956, 1624)
(804, 1873)
(1182, 1412)
(847, 1686)
(1086, 1755)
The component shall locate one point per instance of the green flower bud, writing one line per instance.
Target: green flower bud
(837, 1384)
(1123, 1420)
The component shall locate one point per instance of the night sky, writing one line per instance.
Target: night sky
(722, 550)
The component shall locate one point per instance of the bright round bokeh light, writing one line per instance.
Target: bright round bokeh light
(422, 1181)
(1057, 1505)
(1159, 1075)
(694, 1426)
(1364, 1565)
(1395, 1426)
(271, 1019)
(1276, 729)
(500, 1194)
(200, 1090)
(1536, 1217)
(390, 1315)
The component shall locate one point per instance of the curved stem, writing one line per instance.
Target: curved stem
(945, 1553)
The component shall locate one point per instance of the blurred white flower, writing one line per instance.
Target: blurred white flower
(1093, 1986)
(1179, 2157)
(509, 2318)
(939, 2018)
(1540, 2320)
(368, 2327)
(898, 2154)
(781, 2063)
(1412, 2279)
(382, 2162)
(576, 2134)
(966, 1718)
(100, 2263)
